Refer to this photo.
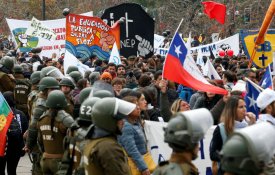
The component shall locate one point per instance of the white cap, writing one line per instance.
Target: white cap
(265, 98)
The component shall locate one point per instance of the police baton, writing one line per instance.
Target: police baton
(30, 157)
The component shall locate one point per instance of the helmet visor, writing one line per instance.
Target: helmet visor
(259, 140)
(198, 122)
(55, 73)
(124, 107)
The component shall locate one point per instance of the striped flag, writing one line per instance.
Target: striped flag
(6, 116)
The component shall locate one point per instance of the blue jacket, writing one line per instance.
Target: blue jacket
(134, 142)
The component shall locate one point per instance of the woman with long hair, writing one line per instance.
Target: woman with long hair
(134, 142)
(234, 116)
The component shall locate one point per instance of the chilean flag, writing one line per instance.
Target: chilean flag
(179, 67)
(266, 81)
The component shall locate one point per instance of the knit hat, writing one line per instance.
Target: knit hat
(265, 98)
(106, 75)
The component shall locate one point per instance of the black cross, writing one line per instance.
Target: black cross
(263, 58)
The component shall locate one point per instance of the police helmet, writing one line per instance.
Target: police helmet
(56, 99)
(186, 129)
(18, 69)
(48, 83)
(85, 111)
(76, 76)
(71, 69)
(7, 62)
(84, 94)
(51, 71)
(35, 77)
(248, 150)
(107, 111)
(102, 94)
(67, 82)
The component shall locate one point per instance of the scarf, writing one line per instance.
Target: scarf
(240, 125)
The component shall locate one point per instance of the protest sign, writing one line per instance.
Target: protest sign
(90, 35)
(204, 50)
(137, 32)
(37, 29)
(25, 42)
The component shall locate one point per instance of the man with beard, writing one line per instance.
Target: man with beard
(121, 71)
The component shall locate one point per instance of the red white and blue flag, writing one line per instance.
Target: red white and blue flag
(252, 93)
(266, 81)
(179, 67)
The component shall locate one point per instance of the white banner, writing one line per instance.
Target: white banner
(26, 42)
(158, 40)
(161, 151)
(71, 60)
(39, 30)
(228, 43)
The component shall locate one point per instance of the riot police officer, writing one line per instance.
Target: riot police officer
(35, 78)
(21, 90)
(52, 126)
(46, 85)
(66, 86)
(7, 81)
(102, 154)
(249, 150)
(75, 141)
(182, 134)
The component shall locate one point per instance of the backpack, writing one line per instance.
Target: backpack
(14, 130)
(15, 137)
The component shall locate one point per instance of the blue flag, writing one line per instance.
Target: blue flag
(266, 81)
(251, 97)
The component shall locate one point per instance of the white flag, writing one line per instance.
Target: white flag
(37, 29)
(71, 60)
(210, 71)
(114, 57)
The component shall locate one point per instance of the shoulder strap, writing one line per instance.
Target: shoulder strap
(222, 132)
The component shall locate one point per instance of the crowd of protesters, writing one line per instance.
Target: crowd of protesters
(47, 102)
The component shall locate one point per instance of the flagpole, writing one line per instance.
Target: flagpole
(170, 45)
(179, 26)
(271, 76)
(254, 84)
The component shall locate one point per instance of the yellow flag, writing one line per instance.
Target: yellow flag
(264, 52)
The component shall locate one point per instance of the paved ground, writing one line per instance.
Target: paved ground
(24, 166)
